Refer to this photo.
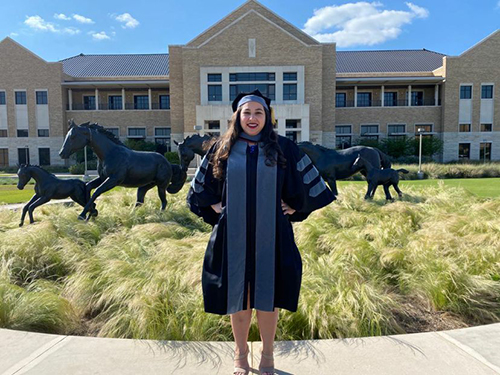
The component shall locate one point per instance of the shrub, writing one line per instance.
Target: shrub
(172, 157)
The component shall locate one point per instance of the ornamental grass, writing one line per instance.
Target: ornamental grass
(135, 272)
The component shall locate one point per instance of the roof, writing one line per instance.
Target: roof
(117, 65)
(392, 61)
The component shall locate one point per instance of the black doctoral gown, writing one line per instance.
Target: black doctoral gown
(301, 187)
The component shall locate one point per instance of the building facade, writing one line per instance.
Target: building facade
(321, 95)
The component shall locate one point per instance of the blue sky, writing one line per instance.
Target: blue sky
(59, 29)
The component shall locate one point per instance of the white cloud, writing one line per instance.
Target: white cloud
(38, 23)
(71, 30)
(61, 16)
(360, 23)
(82, 19)
(100, 36)
(419, 11)
(129, 21)
(13, 34)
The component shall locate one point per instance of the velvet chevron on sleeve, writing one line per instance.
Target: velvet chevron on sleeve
(304, 189)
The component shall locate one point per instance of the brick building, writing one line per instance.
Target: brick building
(319, 94)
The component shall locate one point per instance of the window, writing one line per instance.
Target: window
(41, 97)
(250, 77)
(464, 128)
(340, 99)
(426, 128)
(417, 98)
(487, 92)
(22, 133)
(465, 92)
(290, 76)
(115, 102)
(266, 90)
(89, 102)
(464, 150)
(390, 99)
(396, 128)
(293, 130)
(364, 99)
(137, 132)
(342, 142)
(44, 156)
(2, 97)
(162, 136)
(486, 127)
(343, 129)
(114, 131)
(485, 151)
(215, 93)
(43, 132)
(23, 155)
(4, 157)
(214, 77)
(141, 102)
(369, 129)
(20, 97)
(3, 133)
(290, 91)
(164, 101)
(212, 128)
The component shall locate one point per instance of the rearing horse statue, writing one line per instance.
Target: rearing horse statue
(120, 166)
(336, 165)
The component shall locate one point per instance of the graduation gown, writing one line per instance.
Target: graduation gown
(271, 267)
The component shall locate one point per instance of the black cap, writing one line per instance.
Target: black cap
(254, 92)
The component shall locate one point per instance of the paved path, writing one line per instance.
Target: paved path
(469, 351)
(17, 206)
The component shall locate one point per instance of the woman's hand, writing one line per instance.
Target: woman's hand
(287, 210)
(217, 207)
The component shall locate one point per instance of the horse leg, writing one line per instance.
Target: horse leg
(374, 189)
(38, 202)
(89, 186)
(163, 196)
(332, 183)
(387, 192)
(400, 193)
(108, 184)
(369, 190)
(141, 193)
(25, 208)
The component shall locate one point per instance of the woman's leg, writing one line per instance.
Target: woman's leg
(240, 323)
(267, 327)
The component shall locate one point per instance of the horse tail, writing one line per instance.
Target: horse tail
(402, 170)
(385, 162)
(178, 179)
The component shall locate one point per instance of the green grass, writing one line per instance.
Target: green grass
(135, 273)
(481, 187)
(11, 194)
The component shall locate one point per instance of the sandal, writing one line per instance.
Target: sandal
(242, 370)
(266, 370)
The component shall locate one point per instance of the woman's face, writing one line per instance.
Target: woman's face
(252, 118)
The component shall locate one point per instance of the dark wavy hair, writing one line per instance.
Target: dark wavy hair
(225, 143)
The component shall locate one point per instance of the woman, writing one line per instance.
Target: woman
(250, 185)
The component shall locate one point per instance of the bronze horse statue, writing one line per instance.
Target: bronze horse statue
(191, 145)
(47, 187)
(336, 165)
(375, 177)
(118, 165)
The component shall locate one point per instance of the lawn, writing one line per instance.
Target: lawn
(482, 187)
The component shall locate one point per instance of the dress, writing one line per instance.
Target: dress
(300, 186)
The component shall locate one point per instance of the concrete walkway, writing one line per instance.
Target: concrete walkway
(17, 206)
(469, 351)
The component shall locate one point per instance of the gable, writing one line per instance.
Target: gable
(488, 47)
(240, 13)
